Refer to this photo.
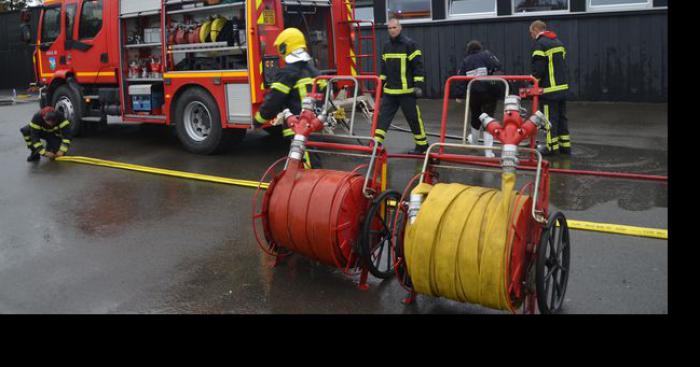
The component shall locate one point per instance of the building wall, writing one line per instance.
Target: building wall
(618, 56)
(16, 69)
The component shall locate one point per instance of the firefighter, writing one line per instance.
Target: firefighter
(403, 79)
(483, 95)
(549, 67)
(292, 82)
(50, 126)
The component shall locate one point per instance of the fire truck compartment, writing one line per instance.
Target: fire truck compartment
(145, 97)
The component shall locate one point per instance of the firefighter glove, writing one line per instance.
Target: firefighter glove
(418, 91)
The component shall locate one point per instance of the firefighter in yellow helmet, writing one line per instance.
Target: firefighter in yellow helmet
(293, 82)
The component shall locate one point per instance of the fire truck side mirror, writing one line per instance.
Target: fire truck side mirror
(26, 33)
(25, 27)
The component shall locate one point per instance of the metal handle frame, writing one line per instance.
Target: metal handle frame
(355, 79)
(535, 215)
(466, 101)
(463, 78)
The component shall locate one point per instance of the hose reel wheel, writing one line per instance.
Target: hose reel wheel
(553, 260)
(378, 235)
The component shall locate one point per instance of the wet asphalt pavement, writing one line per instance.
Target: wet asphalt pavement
(83, 239)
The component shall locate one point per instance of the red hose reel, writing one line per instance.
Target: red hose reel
(322, 214)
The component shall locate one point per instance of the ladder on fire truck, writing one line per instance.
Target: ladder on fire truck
(363, 56)
(363, 60)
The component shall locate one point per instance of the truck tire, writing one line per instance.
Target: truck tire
(198, 124)
(68, 103)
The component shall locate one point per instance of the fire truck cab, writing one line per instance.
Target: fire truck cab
(202, 66)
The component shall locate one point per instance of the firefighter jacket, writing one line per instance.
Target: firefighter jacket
(549, 64)
(61, 131)
(401, 66)
(480, 63)
(292, 84)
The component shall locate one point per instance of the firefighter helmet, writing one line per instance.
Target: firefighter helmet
(46, 110)
(216, 26)
(204, 31)
(290, 40)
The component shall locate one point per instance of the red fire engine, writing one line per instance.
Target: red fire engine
(203, 66)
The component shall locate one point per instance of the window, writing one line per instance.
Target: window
(364, 10)
(70, 20)
(52, 24)
(90, 19)
(469, 7)
(408, 9)
(528, 6)
(618, 4)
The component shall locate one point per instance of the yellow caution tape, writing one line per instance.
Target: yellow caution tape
(619, 229)
(160, 171)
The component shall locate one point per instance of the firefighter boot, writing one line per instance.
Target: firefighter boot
(488, 142)
(33, 156)
(545, 151)
(419, 150)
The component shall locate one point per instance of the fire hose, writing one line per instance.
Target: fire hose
(458, 247)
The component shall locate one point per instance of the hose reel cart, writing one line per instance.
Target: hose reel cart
(337, 218)
(501, 249)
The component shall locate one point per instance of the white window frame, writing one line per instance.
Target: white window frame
(618, 7)
(368, 7)
(409, 21)
(492, 14)
(535, 13)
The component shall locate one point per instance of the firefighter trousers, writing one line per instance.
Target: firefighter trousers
(558, 138)
(481, 103)
(390, 104)
(53, 141)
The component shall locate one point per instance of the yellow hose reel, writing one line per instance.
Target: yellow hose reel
(458, 245)
(483, 245)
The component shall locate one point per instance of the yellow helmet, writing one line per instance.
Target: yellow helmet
(216, 26)
(291, 39)
(204, 31)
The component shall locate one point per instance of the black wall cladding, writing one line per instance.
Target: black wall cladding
(611, 56)
(16, 70)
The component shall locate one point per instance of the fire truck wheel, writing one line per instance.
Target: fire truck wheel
(65, 101)
(198, 123)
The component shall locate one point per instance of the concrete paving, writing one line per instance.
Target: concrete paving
(84, 239)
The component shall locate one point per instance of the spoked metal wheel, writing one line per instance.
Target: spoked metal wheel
(197, 121)
(377, 232)
(401, 268)
(553, 259)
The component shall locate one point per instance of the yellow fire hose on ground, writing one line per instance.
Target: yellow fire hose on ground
(573, 224)
(160, 171)
(458, 246)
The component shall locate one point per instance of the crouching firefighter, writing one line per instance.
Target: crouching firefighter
(292, 83)
(52, 127)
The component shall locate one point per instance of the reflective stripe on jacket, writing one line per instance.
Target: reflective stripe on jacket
(549, 63)
(61, 130)
(401, 66)
(291, 85)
